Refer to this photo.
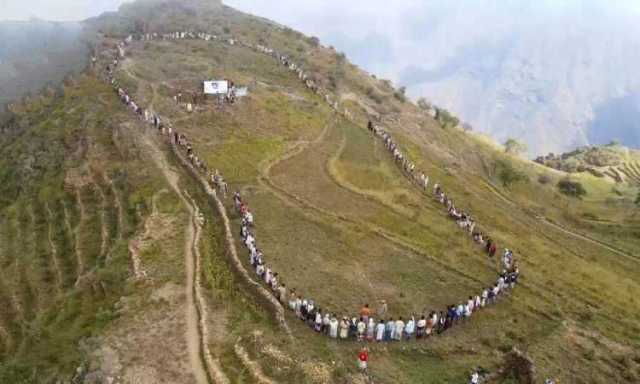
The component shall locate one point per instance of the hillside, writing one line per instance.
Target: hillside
(553, 75)
(134, 269)
(37, 53)
(614, 162)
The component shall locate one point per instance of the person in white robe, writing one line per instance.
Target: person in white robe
(399, 330)
(333, 328)
(292, 300)
(344, 328)
(361, 329)
(318, 322)
(371, 329)
(267, 276)
(410, 328)
(380, 331)
(326, 320)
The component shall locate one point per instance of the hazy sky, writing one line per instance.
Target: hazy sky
(58, 10)
(522, 68)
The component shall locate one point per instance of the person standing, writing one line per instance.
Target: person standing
(410, 328)
(344, 328)
(380, 331)
(333, 328)
(399, 329)
(382, 310)
(365, 313)
(363, 358)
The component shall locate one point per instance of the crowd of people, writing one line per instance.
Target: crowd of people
(464, 220)
(363, 326)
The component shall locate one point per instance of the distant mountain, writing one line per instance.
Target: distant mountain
(36, 53)
(556, 76)
(617, 163)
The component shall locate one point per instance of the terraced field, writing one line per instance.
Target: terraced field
(115, 263)
(339, 222)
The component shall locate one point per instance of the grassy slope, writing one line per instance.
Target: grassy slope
(572, 295)
(575, 313)
(55, 173)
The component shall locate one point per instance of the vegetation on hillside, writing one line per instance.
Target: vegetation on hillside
(335, 217)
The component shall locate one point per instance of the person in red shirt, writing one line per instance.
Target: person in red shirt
(363, 358)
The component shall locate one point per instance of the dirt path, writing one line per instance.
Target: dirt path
(191, 333)
(336, 219)
(195, 333)
(562, 228)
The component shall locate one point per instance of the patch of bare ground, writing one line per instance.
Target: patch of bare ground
(144, 344)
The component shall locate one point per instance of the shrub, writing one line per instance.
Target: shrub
(571, 188)
(508, 174)
(446, 119)
(400, 94)
(544, 179)
(314, 41)
(424, 104)
(514, 147)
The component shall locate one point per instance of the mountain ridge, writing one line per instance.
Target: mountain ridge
(340, 191)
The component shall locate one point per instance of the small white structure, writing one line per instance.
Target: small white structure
(216, 87)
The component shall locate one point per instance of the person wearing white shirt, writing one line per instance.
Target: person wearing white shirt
(380, 331)
(410, 328)
(399, 330)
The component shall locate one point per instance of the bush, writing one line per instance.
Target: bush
(544, 179)
(401, 94)
(446, 119)
(508, 174)
(314, 41)
(514, 147)
(571, 188)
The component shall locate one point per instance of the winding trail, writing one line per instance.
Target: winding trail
(562, 228)
(195, 311)
(191, 313)
(334, 218)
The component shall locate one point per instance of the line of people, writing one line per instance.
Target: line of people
(362, 327)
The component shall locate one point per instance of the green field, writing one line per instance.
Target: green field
(83, 179)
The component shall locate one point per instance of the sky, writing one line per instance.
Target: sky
(56, 10)
(537, 70)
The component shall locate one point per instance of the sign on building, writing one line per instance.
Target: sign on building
(220, 87)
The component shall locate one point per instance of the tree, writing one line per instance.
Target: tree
(571, 188)
(514, 147)
(508, 174)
